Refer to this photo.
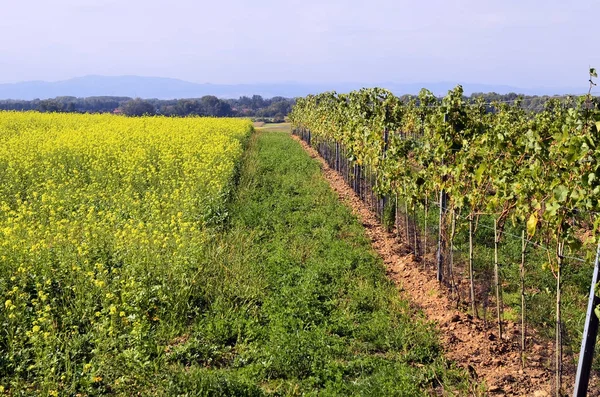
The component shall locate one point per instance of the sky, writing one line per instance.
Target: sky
(523, 43)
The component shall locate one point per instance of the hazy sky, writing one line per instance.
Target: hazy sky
(524, 43)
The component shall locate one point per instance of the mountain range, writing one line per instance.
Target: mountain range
(169, 88)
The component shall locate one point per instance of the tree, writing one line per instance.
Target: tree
(213, 106)
(138, 107)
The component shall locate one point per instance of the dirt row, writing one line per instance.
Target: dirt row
(467, 341)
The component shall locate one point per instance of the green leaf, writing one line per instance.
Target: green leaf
(532, 224)
(561, 193)
(593, 72)
(479, 172)
(552, 208)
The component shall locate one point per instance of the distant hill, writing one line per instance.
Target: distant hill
(167, 88)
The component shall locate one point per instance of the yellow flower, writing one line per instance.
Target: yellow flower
(140, 188)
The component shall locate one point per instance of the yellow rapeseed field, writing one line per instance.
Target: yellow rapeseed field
(101, 219)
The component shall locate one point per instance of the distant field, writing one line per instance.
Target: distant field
(273, 127)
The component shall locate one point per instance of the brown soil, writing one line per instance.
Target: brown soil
(467, 341)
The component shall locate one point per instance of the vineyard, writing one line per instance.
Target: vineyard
(501, 203)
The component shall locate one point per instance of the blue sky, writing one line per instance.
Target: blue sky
(522, 43)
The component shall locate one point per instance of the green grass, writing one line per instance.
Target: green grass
(300, 303)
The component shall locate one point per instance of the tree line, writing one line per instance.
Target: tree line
(255, 106)
(209, 105)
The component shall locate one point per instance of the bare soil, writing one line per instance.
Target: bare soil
(467, 341)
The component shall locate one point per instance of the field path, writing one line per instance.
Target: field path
(465, 339)
(301, 304)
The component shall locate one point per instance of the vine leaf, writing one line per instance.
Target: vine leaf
(561, 193)
(552, 208)
(479, 173)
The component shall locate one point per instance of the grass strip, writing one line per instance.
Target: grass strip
(300, 304)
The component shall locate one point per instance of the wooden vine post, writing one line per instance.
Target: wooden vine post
(497, 281)
(441, 240)
(471, 281)
(558, 358)
(524, 242)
